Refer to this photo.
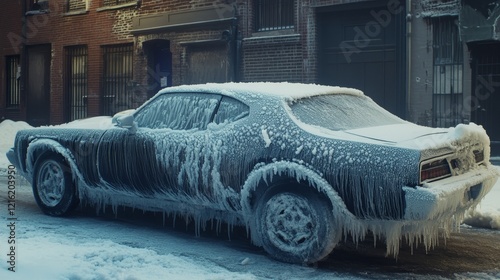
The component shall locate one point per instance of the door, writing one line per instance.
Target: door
(485, 100)
(159, 65)
(38, 85)
(207, 63)
(359, 48)
(163, 156)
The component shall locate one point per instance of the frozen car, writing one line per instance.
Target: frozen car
(301, 166)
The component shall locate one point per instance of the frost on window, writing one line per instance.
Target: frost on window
(342, 112)
(230, 110)
(178, 111)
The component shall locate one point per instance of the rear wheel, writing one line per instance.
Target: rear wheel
(53, 187)
(296, 226)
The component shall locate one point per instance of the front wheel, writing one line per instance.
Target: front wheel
(296, 226)
(53, 187)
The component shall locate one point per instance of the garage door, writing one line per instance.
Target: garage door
(359, 49)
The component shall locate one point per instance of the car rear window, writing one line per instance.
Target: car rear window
(342, 112)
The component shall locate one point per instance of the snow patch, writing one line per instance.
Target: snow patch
(8, 130)
(487, 213)
(247, 91)
(266, 138)
(66, 258)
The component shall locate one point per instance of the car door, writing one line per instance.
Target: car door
(169, 155)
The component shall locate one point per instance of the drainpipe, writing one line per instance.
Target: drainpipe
(236, 44)
(409, 18)
(233, 41)
(231, 38)
(24, 63)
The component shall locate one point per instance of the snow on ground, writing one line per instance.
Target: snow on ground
(487, 214)
(51, 257)
(8, 130)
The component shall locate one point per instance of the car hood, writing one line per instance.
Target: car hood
(101, 122)
(397, 133)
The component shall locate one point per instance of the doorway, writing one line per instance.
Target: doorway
(159, 59)
(485, 100)
(38, 85)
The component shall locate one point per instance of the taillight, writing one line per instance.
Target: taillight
(435, 170)
(478, 156)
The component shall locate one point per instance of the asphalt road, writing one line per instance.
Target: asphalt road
(470, 251)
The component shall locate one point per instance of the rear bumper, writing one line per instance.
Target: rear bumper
(453, 195)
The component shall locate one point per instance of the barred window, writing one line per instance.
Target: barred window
(274, 14)
(13, 75)
(76, 82)
(117, 92)
(448, 72)
(38, 5)
(117, 2)
(76, 5)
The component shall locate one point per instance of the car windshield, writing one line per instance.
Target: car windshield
(342, 112)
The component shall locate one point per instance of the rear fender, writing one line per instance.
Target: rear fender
(266, 176)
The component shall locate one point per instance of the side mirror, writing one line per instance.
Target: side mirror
(126, 120)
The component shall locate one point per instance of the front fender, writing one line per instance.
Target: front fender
(39, 147)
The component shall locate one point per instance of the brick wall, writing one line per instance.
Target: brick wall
(9, 45)
(283, 55)
(93, 28)
(273, 58)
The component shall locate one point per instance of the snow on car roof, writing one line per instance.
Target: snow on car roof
(284, 90)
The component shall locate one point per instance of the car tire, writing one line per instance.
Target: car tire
(53, 186)
(296, 226)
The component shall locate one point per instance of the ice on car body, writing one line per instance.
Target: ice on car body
(237, 141)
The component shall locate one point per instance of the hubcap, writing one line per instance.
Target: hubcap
(291, 223)
(50, 183)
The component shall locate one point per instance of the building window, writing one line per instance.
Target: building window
(76, 5)
(117, 2)
(117, 79)
(448, 73)
(76, 82)
(38, 5)
(13, 76)
(274, 14)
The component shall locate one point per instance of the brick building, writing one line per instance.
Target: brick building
(433, 62)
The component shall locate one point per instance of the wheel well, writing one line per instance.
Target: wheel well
(38, 150)
(284, 183)
(40, 153)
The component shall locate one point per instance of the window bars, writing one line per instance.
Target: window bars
(116, 91)
(76, 82)
(13, 75)
(116, 2)
(76, 5)
(274, 14)
(448, 73)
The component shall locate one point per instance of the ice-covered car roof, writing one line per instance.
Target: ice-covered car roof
(286, 91)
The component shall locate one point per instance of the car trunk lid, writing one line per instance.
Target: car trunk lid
(397, 133)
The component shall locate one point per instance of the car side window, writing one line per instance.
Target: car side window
(230, 110)
(178, 111)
